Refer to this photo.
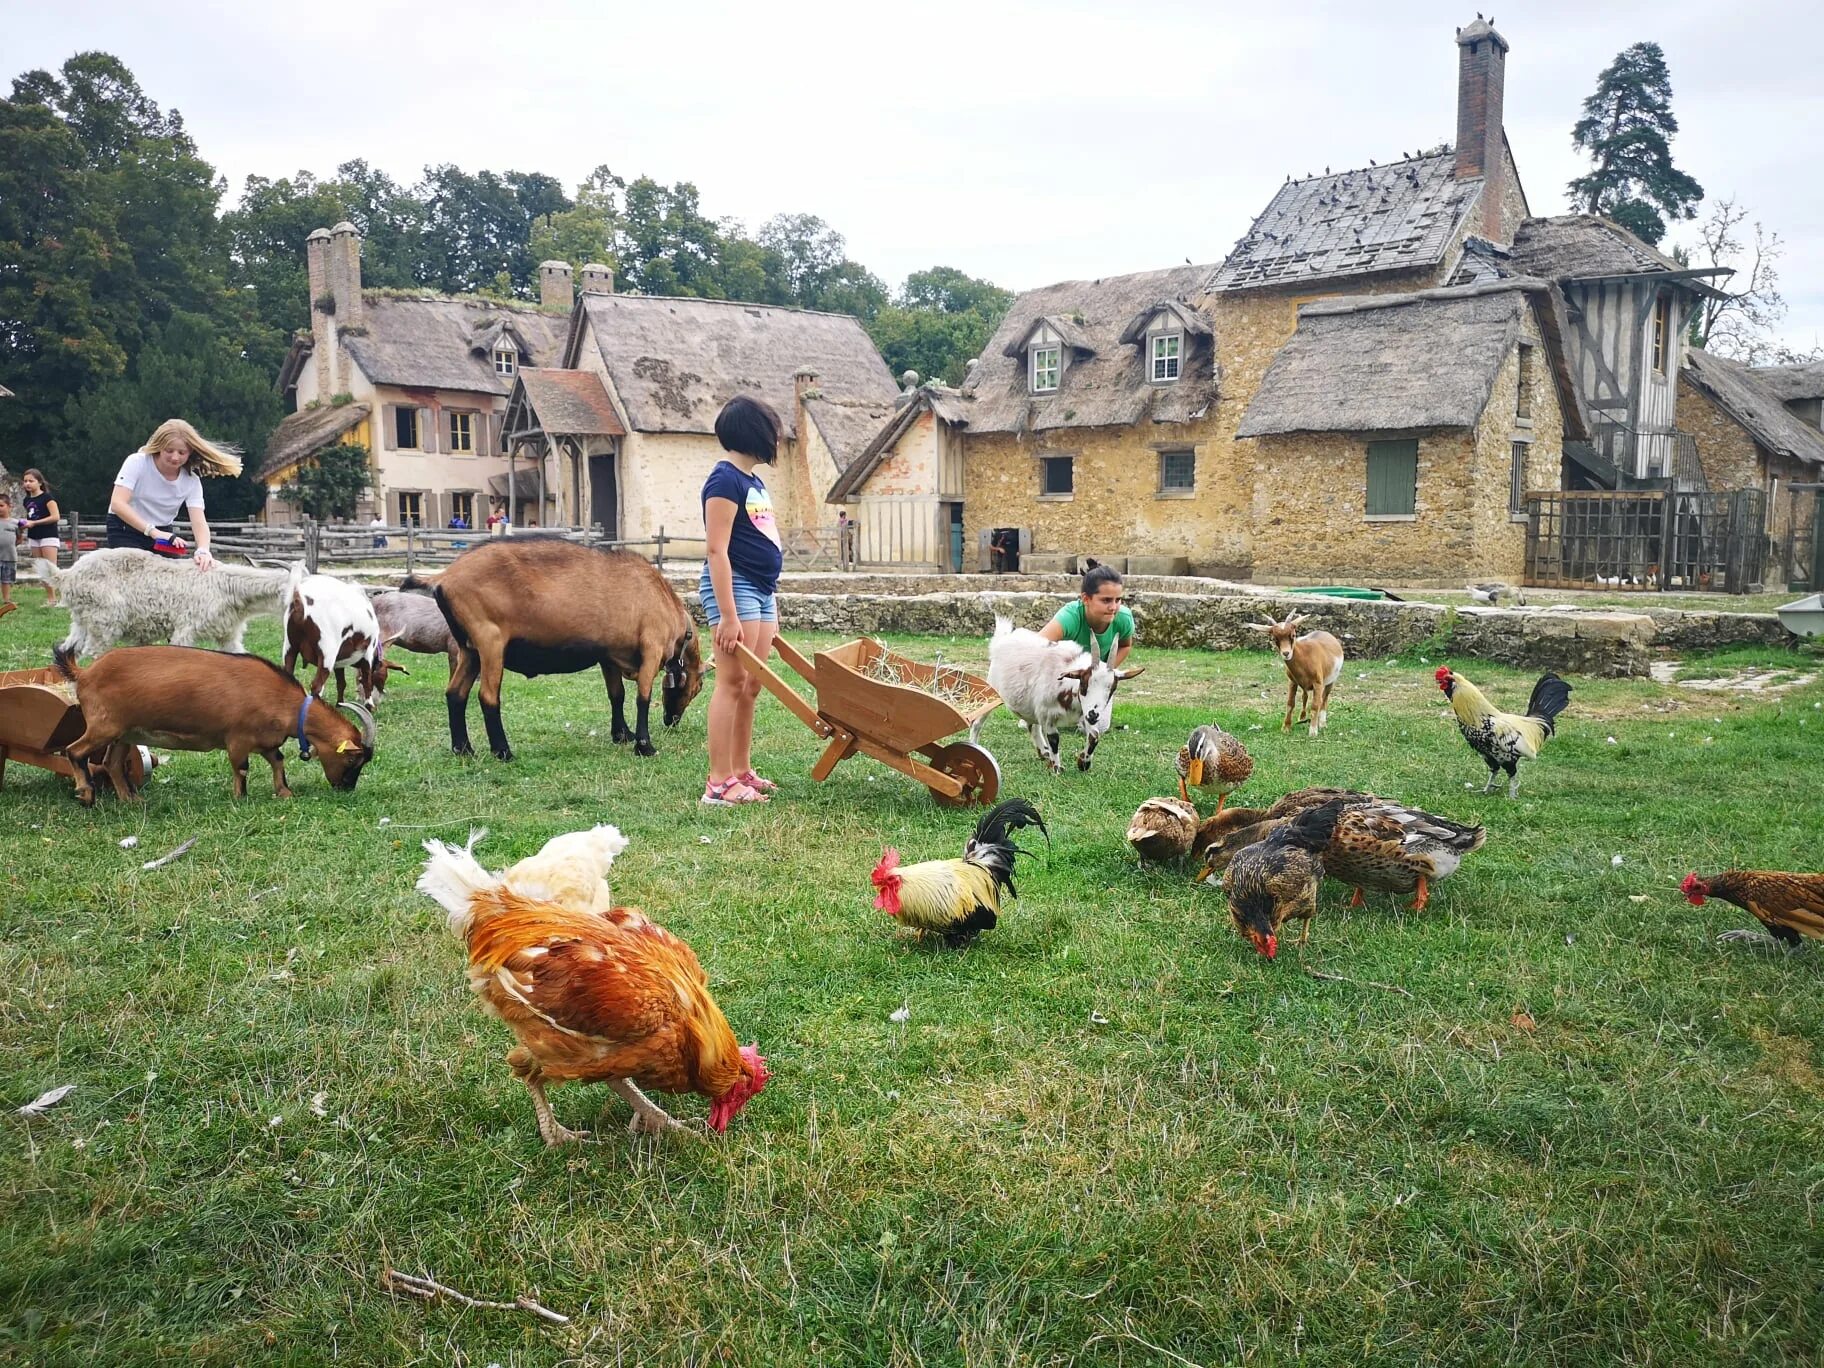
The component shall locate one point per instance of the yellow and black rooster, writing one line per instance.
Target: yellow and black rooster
(958, 899)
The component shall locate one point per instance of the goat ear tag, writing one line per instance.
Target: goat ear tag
(344, 745)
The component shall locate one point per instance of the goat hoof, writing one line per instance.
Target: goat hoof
(645, 748)
(503, 752)
(620, 738)
(1083, 763)
(463, 749)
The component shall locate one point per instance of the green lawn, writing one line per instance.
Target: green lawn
(1107, 1133)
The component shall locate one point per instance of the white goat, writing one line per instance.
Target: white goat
(126, 597)
(412, 622)
(331, 625)
(1049, 685)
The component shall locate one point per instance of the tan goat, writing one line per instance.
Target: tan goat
(1314, 662)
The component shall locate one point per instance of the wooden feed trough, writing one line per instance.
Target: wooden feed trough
(877, 702)
(39, 717)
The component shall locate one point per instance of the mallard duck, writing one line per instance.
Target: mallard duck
(1212, 758)
(1376, 844)
(1213, 829)
(1162, 829)
(1274, 880)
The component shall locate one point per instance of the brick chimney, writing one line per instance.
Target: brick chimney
(1481, 78)
(597, 278)
(322, 323)
(345, 275)
(554, 291)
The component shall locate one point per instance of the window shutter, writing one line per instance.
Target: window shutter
(484, 423)
(427, 429)
(389, 427)
(1393, 477)
(984, 558)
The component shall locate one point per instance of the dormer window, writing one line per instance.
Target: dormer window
(1046, 363)
(1167, 357)
(506, 360)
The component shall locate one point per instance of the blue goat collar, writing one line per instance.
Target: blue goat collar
(303, 744)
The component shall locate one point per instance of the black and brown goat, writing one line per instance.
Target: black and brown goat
(539, 607)
(190, 699)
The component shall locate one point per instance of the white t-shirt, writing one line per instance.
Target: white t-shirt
(154, 497)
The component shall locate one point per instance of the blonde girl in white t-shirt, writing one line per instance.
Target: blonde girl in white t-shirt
(162, 477)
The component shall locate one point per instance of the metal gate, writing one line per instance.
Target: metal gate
(1647, 539)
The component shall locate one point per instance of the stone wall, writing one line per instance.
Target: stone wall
(1728, 455)
(1599, 643)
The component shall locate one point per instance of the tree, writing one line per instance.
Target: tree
(941, 320)
(586, 231)
(1627, 129)
(329, 482)
(1739, 318)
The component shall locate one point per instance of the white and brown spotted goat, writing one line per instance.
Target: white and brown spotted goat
(1314, 662)
(331, 625)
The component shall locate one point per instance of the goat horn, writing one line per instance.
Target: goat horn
(367, 722)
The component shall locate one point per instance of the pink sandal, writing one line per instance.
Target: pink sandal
(733, 792)
(756, 783)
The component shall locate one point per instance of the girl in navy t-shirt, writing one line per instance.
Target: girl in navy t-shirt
(737, 590)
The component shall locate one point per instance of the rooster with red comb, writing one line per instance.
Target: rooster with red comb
(958, 899)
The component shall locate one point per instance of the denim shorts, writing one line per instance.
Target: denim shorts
(752, 603)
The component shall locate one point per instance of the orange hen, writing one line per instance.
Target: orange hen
(592, 996)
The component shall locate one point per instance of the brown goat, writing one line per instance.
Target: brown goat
(1314, 662)
(191, 699)
(540, 607)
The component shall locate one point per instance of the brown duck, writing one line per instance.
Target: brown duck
(1162, 829)
(1213, 759)
(1376, 844)
(1212, 829)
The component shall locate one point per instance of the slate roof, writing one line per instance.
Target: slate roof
(446, 342)
(1583, 247)
(1793, 383)
(1740, 393)
(1402, 216)
(675, 362)
(567, 403)
(308, 430)
(1399, 363)
(1106, 386)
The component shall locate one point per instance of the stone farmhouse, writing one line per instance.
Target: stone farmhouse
(587, 407)
(1368, 386)
(1747, 438)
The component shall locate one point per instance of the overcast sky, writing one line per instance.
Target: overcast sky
(1024, 142)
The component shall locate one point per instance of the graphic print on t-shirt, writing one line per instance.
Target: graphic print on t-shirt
(760, 513)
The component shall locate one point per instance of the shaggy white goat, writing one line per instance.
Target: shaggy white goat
(1049, 685)
(331, 625)
(127, 597)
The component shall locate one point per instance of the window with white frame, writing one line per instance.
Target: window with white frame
(1177, 471)
(462, 433)
(1046, 365)
(1168, 355)
(506, 360)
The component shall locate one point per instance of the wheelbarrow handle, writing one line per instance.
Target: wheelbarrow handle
(784, 692)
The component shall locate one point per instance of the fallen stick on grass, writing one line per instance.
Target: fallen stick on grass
(177, 854)
(430, 1289)
(1360, 983)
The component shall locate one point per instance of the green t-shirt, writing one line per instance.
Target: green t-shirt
(1076, 627)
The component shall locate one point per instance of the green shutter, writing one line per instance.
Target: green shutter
(1393, 477)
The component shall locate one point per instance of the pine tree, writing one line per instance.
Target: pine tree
(1627, 128)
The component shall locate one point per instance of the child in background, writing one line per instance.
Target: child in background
(9, 552)
(1098, 609)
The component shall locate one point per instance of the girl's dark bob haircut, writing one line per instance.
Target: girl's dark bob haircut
(1097, 576)
(748, 427)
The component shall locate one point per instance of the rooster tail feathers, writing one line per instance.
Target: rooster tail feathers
(1313, 828)
(453, 877)
(1551, 696)
(1005, 818)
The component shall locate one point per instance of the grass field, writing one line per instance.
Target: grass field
(1107, 1133)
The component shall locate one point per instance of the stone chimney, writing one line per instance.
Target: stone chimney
(597, 279)
(554, 290)
(345, 275)
(322, 322)
(1481, 81)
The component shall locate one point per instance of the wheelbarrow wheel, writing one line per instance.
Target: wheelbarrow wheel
(971, 766)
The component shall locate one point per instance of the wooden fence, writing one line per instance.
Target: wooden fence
(1647, 539)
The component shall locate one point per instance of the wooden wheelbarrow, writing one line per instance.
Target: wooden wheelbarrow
(39, 716)
(877, 702)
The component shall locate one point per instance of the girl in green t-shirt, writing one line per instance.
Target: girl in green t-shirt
(1099, 609)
